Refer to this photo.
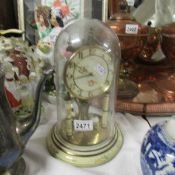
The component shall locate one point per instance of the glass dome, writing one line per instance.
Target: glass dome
(87, 58)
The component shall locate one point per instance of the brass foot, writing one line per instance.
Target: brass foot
(84, 156)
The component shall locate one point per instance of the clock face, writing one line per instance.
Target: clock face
(89, 72)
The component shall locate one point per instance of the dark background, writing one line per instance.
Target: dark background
(8, 17)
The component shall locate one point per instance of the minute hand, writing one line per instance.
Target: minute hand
(83, 76)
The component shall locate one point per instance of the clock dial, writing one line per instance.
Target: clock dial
(89, 72)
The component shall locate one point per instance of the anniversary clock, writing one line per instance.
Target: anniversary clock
(87, 58)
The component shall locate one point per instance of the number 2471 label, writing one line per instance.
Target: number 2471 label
(83, 125)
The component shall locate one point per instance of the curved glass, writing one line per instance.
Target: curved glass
(87, 57)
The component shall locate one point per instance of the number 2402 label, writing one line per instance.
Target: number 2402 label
(131, 2)
(83, 125)
(131, 28)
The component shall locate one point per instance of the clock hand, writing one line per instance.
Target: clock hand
(83, 76)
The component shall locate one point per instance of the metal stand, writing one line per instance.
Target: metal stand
(17, 169)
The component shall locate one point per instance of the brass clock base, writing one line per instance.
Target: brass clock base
(17, 169)
(84, 156)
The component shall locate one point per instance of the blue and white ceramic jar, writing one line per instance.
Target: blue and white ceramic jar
(158, 150)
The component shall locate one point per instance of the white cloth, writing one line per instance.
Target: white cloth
(126, 162)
